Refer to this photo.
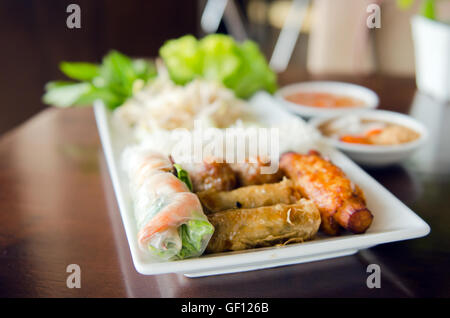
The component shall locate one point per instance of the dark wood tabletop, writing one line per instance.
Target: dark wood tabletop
(57, 207)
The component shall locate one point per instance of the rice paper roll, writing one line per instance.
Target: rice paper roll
(249, 197)
(140, 164)
(175, 227)
(241, 229)
(170, 219)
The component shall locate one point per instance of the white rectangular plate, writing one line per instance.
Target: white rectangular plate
(393, 221)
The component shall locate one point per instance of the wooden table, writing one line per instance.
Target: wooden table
(57, 207)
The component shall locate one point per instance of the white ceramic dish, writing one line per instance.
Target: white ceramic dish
(369, 97)
(393, 221)
(379, 156)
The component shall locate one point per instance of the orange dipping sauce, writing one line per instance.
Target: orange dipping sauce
(365, 139)
(324, 100)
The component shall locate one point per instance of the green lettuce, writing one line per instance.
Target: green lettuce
(182, 58)
(239, 66)
(195, 235)
(183, 175)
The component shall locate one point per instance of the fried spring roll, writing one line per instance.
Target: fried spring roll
(340, 202)
(249, 197)
(250, 173)
(240, 229)
(211, 176)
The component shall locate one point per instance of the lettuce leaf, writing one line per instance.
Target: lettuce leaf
(254, 73)
(222, 58)
(240, 67)
(182, 58)
(195, 235)
(183, 175)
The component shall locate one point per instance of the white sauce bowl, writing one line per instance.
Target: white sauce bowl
(376, 155)
(369, 97)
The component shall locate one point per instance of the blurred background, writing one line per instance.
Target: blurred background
(333, 39)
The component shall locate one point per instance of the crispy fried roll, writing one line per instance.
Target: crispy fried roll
(250, 197)
(211, 176)
(249, 173)
(340, 202)
(240, 229)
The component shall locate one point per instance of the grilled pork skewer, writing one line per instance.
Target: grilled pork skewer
(340, 202)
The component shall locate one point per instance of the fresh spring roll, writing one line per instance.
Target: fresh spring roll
(177, 227)
(170, 219)
(140, 165)
(254, 196)
(240, 229)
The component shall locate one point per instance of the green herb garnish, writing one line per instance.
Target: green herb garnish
(113, 81)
